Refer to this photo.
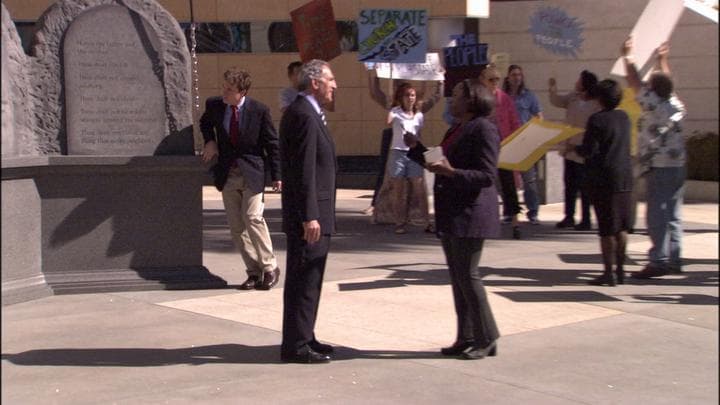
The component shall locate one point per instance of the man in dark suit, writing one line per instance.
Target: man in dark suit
(239, 132)
(308, 203)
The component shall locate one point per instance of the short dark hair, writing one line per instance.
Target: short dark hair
(608, 93)
(661, 84)
(588, 80)
(480, 100)
(292, 66)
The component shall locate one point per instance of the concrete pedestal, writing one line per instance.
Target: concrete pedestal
(75, 224)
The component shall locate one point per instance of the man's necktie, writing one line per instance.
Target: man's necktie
(322, 117)
(234, 126)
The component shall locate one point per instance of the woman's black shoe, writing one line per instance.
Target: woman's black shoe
(478, 352)
(456, 348)
(620, 276)
(605, 279)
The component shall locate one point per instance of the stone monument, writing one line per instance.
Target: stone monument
(101, 190)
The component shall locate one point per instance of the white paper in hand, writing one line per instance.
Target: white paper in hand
(434, 154)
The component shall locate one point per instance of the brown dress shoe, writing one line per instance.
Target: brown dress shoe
(251, 283)
(270, 279)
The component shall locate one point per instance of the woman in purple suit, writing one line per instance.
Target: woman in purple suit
(466, 212)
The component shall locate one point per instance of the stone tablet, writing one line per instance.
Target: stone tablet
(115, 99)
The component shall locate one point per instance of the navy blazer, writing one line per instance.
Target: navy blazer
(308, 167)
(466, 205)
(257, 146)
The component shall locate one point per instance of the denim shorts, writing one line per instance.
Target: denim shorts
(402, 166)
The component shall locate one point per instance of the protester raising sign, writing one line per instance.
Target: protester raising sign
(394, 36)
(315, 31)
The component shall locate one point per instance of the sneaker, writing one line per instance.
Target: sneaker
(565, 223)
(506, 219)
(369, 210)
(650, 271)
(533, 220)
(400, 230)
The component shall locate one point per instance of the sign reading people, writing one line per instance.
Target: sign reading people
(463, 61)
(394, 36)
(315, 31)
(554, 30)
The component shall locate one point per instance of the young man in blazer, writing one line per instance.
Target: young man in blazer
(308, 204)
(239, 132)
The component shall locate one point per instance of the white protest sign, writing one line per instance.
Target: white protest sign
(430, 70)
(654, 27)
(706, 8)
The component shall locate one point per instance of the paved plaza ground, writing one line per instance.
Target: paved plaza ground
(387, 305)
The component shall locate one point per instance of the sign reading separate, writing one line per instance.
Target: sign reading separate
(430, 70)
(524, 147)
(394, 36)
(315, 31)
(554, 30)
(463, 61)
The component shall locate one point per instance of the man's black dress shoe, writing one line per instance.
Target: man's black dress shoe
(270, 279)
(565, 223)
(478, 352)
(321, 347)
(306, 355)
(251, 283)
(456, 348)
(607, 279)
(583, 226)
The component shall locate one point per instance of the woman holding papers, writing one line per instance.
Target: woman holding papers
(606, 149)
(466, 212)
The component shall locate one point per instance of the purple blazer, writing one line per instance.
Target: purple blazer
(466, 205)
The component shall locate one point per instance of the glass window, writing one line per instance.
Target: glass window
(220, 37)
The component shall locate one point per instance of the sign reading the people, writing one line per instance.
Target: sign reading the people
(394, 36)
(464, 60)
(554, 30)
(315, 31)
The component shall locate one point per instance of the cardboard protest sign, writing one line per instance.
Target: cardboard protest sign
(554, 30)
(315, 31)
(706, 8)
(430, 70)
(524, 147)
(463, 61)
(654, 27)
(393, 36)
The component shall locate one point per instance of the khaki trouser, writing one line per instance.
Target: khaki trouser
(249, 231)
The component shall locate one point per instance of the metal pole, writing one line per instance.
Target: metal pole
(195, 84)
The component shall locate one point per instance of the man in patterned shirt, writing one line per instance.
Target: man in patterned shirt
(662, 159)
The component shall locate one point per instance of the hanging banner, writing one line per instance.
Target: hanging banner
(430, 70)
(315, 31)
(554, 30)
(394, 36)
(463, 61)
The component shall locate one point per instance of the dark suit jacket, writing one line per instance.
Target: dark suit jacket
(466, 205)
(606, 149)
(308, 167)
(258, 143)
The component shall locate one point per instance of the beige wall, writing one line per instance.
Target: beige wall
(693, 55)
(358, 121)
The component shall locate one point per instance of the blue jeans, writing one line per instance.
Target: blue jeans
(530, 192)
(665, 189)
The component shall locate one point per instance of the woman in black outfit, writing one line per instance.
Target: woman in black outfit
(466, 213)
(606, 149)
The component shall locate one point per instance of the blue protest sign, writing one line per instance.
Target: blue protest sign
(554, 30)
(395, 36)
